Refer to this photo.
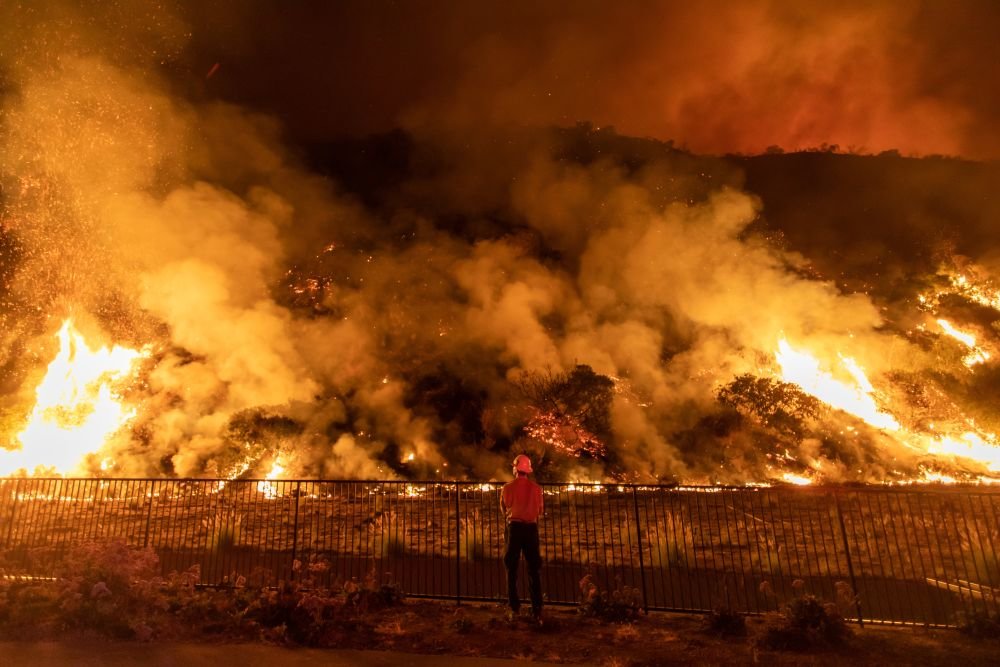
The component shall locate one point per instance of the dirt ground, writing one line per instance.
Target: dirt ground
(656, 639)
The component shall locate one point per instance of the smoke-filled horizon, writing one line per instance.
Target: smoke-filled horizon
(431, 327)
(717, 77)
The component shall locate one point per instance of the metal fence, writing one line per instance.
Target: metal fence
(887, 555)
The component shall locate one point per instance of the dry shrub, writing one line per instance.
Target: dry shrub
(101, 586)
(370, 594)
(807, 623)
(619, 605)
(112, 590)
(724, 622)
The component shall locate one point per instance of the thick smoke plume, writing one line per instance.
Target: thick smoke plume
(392, 332)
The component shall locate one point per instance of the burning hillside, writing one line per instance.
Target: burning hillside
(622, 309)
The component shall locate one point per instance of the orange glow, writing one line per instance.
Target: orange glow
(266, 487)
(969, 445)
(855, 398)
(977, 355)
(798, 480)
(77, 407)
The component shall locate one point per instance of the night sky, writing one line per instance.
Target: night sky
(920, 77)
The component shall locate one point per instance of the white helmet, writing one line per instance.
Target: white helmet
(522, 463)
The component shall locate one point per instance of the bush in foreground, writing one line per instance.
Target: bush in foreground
(807, 623)
(724, 622)
(620, 605)
(112, 590)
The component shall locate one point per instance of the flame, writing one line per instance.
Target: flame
(798, 480)
(969, 445)
(984, 295)
(270, 490)
(855, 398)
(977, 355)
(414, 491)
(934, 477)
(76, 406)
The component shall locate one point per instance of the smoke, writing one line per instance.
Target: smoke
(715, 76)
(288, 321)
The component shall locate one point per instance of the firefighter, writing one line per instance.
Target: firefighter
(521, 501)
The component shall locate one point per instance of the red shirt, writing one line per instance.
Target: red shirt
(521, 500)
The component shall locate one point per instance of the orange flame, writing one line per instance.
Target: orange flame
(855, 398)
(976, 355)
(798, 480)
(266, 487)
(76, 409)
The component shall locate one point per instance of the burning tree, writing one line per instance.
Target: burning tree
(253, 435)
(569, 411)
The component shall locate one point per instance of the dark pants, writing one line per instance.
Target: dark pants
(523, 537)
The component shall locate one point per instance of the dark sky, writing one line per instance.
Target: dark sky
(922, 77)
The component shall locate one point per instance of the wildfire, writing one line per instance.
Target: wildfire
(565, 433)
(77, 408)
(984, 294)
(266, 487)
(977, 355)
(855, 398)
(798, 480)
(969, 445)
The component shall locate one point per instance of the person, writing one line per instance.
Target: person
(521, 502)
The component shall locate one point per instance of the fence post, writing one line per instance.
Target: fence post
(638, 538)
(458, 547)
(295, 527)
(847, 552)
(149, 513)
(13, 513)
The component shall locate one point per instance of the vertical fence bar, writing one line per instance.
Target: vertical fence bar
(149, 516)
(458, 546)
(638, 539)
(295, 528)
(13, 512)
(847, 554)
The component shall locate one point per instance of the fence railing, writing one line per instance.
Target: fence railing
(887, 554)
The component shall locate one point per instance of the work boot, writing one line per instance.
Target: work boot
(510, 615)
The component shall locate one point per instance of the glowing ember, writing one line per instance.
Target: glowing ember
(854, 398)
(77, 409)
(977, 355)
(984, 295)
(565, 433)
